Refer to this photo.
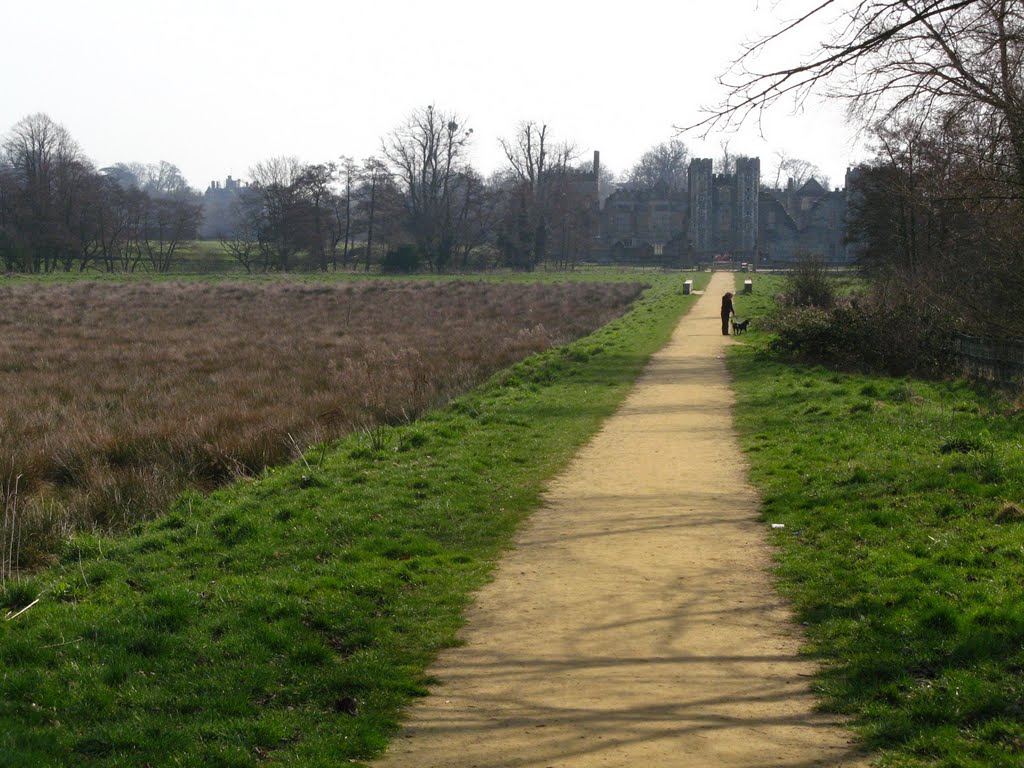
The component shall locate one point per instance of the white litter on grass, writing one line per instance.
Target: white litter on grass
(778, 525)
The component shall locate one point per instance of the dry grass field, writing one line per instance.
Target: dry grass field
(118, 396)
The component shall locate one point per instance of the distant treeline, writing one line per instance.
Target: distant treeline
(59, 213)
(419, 205)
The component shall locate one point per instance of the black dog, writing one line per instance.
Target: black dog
(738, 328)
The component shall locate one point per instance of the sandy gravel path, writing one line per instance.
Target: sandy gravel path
(634, 624)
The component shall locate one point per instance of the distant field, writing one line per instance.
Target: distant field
(205, 256)
(118, 395)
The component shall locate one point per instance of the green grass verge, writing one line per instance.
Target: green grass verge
(204, 260)
(903, 548)
(291, 618)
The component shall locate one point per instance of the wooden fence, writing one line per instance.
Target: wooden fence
(998, 360)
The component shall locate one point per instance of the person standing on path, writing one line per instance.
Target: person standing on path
(727, 311)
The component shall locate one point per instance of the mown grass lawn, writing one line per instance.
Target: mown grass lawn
(903, 547)
(288, 619)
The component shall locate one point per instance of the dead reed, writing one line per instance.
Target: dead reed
(118, 396)
(10, 529)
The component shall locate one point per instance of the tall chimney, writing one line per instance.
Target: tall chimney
(597, 177)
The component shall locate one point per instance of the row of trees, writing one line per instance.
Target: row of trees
(418, 204)
(421, 202)
(58, 212)
(420, 198)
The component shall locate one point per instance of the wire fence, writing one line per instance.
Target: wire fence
(997, 360)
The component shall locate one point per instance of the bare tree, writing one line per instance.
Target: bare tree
(281, 171)
(478, 215)
(125, 174)
(58, 213)
(531, 154)
(242, 240)
(161, 179)
(373, 176)
(726, 162)
(281, 223)
(315, 186)
(536, 165)
(940, 86)
(164, 179)
(663, 164)
(893, 58)
(931, 220)
(797, 170)
(343, 212)
(36, 147)
(426, 155)
(47, 168)
(167, 224)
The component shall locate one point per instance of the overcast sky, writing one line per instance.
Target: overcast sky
(215, 86)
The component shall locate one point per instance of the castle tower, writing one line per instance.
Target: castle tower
(699, 181)
(748, 186)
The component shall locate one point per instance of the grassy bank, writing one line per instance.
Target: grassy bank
(903, 548)
(288, 619)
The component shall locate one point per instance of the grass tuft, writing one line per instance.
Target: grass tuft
(964, 444)
(1010, 513)
(18, 593)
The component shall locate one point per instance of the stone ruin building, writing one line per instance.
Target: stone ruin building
(725, 217)
(218, 201)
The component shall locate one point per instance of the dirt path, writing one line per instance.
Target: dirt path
(635, 624)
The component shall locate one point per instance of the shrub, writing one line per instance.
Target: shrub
(869, 335)
(809, 285)
(806, 332)
(402, 259)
